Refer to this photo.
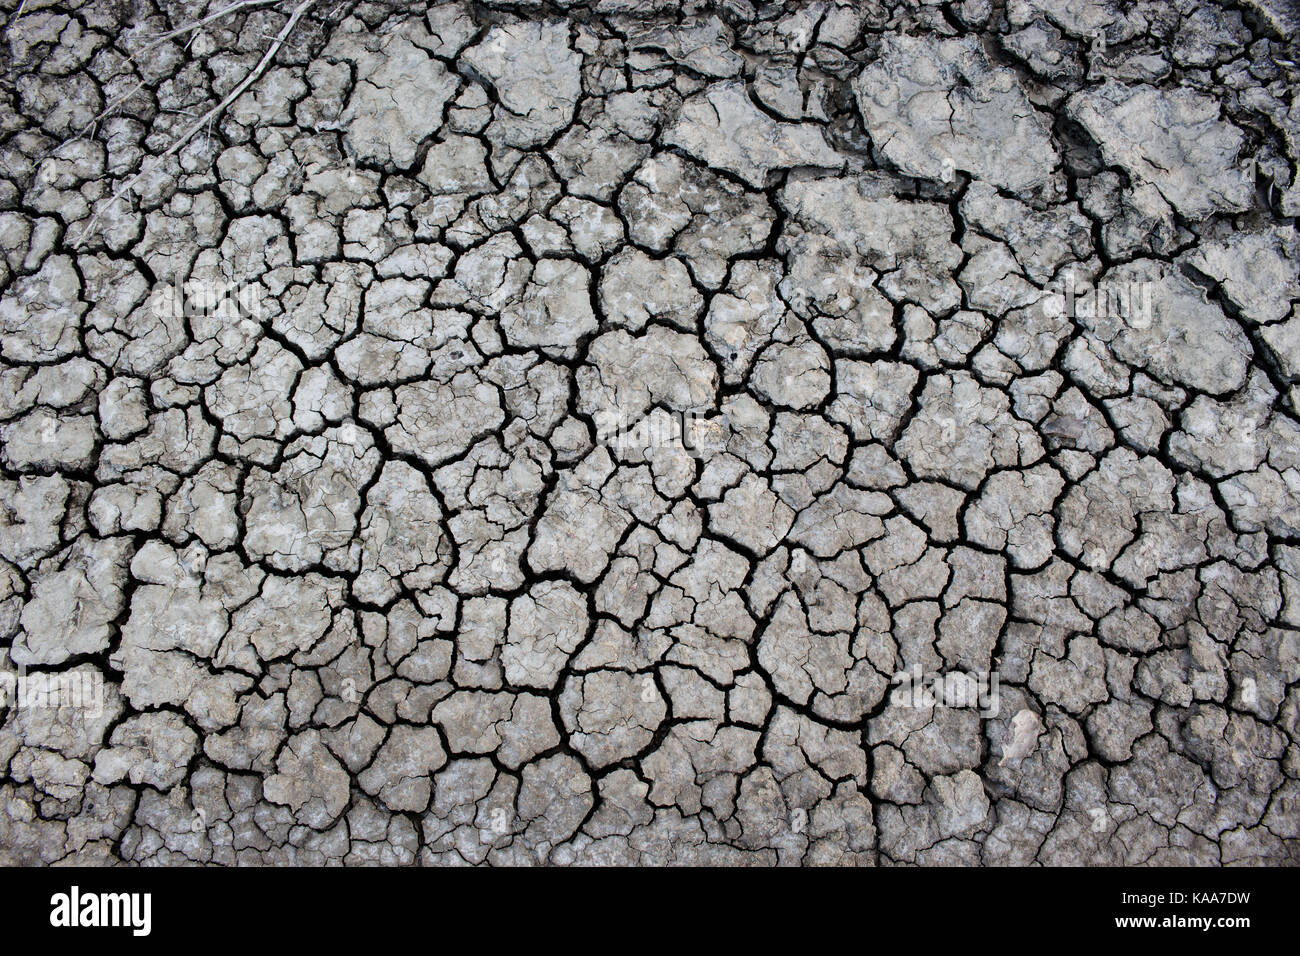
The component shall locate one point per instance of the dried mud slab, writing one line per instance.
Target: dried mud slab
(649, 432)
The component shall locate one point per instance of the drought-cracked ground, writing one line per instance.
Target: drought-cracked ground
(649, 432)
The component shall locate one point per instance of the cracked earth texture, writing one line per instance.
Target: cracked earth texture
(545, 432)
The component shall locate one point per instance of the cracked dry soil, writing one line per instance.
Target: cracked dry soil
(649, 432)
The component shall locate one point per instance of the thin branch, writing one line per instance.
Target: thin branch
(17, 16)
(224, 11)
(207, 117)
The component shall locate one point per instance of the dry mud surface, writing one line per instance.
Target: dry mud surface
(649, 432)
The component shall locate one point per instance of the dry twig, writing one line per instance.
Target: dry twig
(207, 117)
